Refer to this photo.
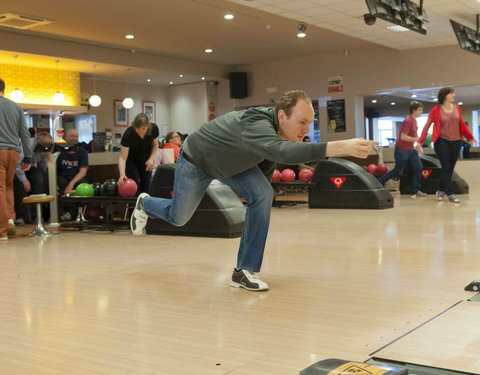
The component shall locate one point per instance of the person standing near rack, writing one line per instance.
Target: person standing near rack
(138, 151)
(14, 138)
(449, 129)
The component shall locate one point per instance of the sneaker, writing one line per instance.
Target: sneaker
(20, 222)
(419, 194)
(139, 218)
(440, 195)
(248, 280)
(453, 198)
(66, 216)
(11, 227)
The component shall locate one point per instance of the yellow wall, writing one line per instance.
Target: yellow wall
(39, 84)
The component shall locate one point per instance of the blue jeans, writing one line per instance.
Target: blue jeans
(447, 153)
(403, 159)
(190, 184)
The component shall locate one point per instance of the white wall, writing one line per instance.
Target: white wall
(188, 107)
(110, 90)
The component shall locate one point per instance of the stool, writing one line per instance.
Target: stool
(39, 229)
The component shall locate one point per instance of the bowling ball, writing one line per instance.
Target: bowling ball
(382, 169)
(276, 176)
(287, 175)
(84, 190)
(94, 213)
(372, 168)
(96, 188)
(305, 175)
(127, 188)
(110, 187)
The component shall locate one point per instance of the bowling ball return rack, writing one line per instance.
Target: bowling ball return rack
(109, 223)
(295, 184)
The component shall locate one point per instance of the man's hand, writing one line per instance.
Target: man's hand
(26, 186)
(69, 189)
(25, 167)
(357, 147)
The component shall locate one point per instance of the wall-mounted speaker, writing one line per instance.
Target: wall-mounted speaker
(238, 85)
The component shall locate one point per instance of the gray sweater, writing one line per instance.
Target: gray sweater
(14, 134)
(237, 141)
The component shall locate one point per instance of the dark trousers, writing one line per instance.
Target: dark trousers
(447, 153)
(406, 159)
(140, 175)
(21, 209)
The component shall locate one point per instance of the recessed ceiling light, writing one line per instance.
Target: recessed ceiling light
(181, 75)
(229, 16)
(435, 99)
(301, 34)
(392, 103)
(414, 95)
(397, 28)
(129, 36)
(203, 78)
(374, 101)
(460, 103)
(171, 82)
(208, 50)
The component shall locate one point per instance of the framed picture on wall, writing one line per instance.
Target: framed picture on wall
(148, 107)
(120, 113)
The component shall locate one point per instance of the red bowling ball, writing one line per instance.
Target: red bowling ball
(305, 175)
(287, 175)
(382, 169)
(276, 176)
(127, 188)
(372, 168)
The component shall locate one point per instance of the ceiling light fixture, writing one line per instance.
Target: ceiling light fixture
(301, 30)
(58, 98)
(17, 94)
(128, 101)
(94, 100)
(414, 95)
(203, 78)
(374, 101)
(460, 103)
(208, 50)
(229, 16)
(129, 36)
(181, 75)
(392, 103)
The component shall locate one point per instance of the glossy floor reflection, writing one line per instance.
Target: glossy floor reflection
(343, 284)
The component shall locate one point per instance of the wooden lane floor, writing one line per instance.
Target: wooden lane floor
(451, 341)
(343, 284)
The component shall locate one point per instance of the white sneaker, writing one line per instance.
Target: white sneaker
(248, 280)
(11, 227)
(139, 218)
(419, 194)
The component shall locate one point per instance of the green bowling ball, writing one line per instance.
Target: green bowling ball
(84, 190)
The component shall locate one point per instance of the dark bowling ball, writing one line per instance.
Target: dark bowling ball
(95, 213)
(110, 187)
(96, 188)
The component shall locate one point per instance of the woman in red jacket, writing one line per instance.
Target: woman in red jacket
(448, 131)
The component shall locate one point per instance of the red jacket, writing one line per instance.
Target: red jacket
(434, 117)
(176, 149)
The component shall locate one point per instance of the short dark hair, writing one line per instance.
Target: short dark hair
(414, 106)
(142, 120)
(2, 85)
(289, 100)
(442, 94)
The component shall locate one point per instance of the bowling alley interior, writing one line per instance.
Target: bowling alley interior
(364, 277)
